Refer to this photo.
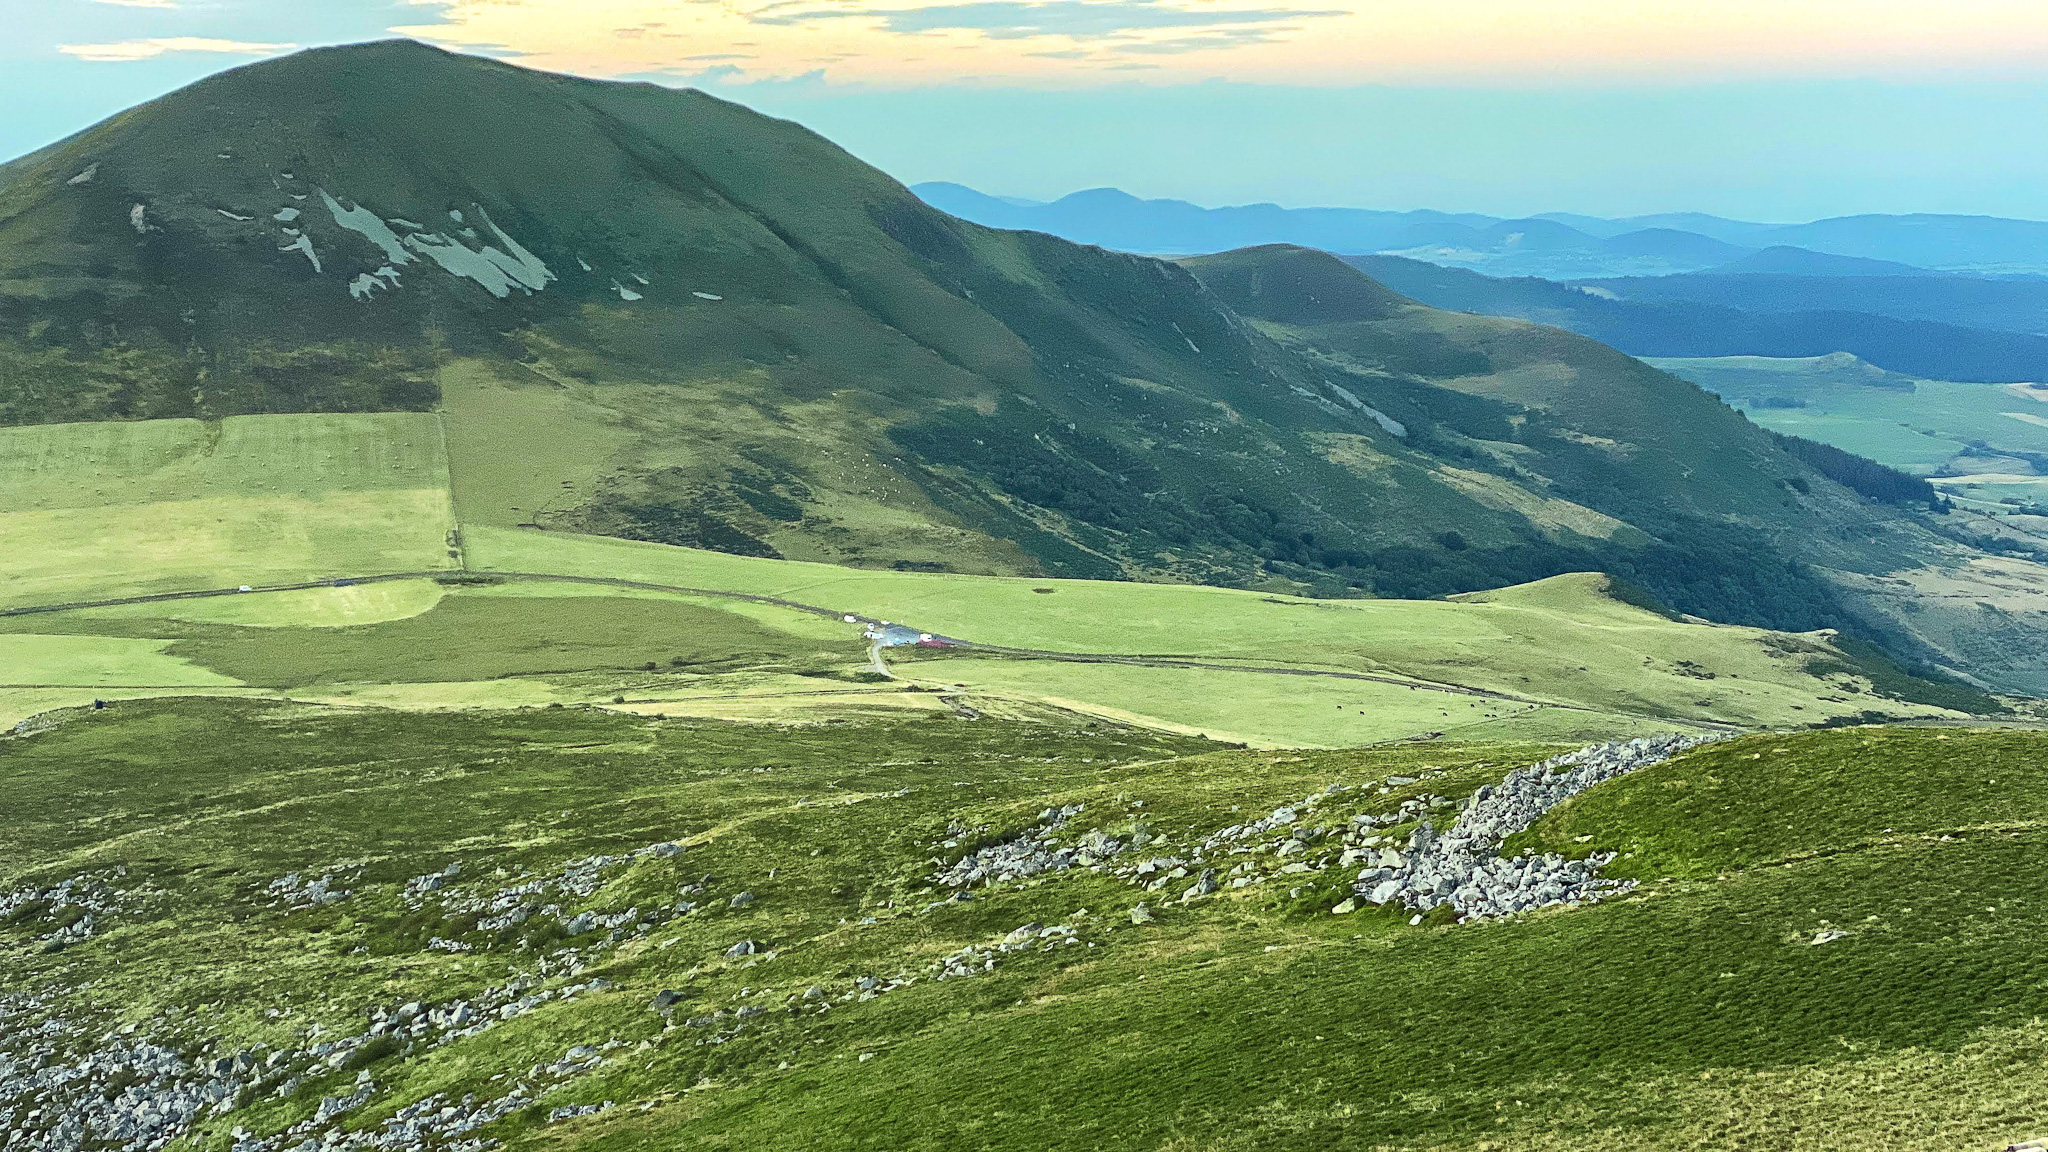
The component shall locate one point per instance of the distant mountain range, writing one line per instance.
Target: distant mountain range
(1761, 315)
(1682, 284)
(1553, 245)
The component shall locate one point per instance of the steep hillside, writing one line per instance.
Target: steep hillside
(657, 315)
(1564, 417)
(1575, 425)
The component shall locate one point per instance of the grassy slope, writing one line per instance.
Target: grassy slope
(472, 637)
(1558, 640)
(1268, 711)
(1694, 1013)
(104, 510)
(100, 661)
(1633, 443)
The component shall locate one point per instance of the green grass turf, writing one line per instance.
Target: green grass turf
(299, 608)
(1562, 639)
(1807, 795)
(471, 637)
(1916, 431)
(95, 511)
(1694, 1013)
(1262, 709)
(31, 661)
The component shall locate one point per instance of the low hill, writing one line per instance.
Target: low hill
(1784, 260)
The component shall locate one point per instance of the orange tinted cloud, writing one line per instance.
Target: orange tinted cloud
(1268, 41)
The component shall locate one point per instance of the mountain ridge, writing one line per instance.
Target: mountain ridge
(1115, 219)
(667, 318)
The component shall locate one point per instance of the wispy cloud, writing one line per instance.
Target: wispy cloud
(1017, 19)
(127, 51)
(890, 41)
(1221, 38)
(1324, 42)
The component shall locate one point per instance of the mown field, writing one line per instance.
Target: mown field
(95, 511)
(1696, 1012)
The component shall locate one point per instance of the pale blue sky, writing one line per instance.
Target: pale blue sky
(1773, 144)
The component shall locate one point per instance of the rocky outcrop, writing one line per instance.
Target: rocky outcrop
(1463, 867)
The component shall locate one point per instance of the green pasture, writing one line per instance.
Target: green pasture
(325, 607)
(1561, 639)
(466, 638)
(563, 443)
(1696, 1012)
(157, 461)
(107, 510)
(30, 661)
(1916, 431)
(97, 511)
(1263, 709)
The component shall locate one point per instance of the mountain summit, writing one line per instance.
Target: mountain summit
(654, 314)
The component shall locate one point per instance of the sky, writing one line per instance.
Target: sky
(1756, 109)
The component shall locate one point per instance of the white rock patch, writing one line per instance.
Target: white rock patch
(369, 283)
(499, 270)
(370, 226)
(305, 244)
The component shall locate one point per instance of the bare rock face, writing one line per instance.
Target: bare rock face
(1463, 867)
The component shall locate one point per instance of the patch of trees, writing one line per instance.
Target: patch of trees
(1859, 474)
(1120, 502)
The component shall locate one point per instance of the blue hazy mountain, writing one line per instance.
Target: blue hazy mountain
(1786, 260)
(1116, 219)
(1559, 246)
(1814, 316)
